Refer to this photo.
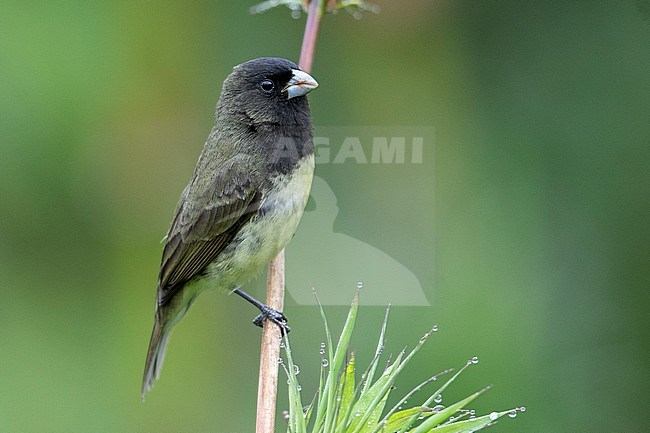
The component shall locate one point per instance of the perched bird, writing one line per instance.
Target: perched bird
(245, 198)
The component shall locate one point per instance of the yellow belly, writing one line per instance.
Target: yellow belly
(266, 233)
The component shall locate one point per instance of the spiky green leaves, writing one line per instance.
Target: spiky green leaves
(343, 405)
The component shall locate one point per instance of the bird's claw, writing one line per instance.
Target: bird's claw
(274, 316)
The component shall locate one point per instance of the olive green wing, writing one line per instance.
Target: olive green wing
(209, 215)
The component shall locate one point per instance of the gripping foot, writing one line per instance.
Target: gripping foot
(266, 313)
(275, 316)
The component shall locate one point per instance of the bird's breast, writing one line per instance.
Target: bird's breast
(272, 227)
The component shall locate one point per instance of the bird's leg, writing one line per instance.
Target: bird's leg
(266, 312)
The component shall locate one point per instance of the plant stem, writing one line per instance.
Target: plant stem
(270, 352)
(311, 32)
(268, 379)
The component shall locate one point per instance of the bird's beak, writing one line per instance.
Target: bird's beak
(300, 84)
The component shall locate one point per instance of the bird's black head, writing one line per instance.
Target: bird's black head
(267, 91)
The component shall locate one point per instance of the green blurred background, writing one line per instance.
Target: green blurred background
(540, 227)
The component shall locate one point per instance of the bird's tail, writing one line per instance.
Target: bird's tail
(155, 355)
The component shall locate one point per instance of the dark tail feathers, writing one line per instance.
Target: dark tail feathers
(155, 356)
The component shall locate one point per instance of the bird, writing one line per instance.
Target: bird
(244, 200)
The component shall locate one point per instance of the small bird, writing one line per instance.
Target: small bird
(245, 198)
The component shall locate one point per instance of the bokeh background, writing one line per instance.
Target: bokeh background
(529, 230)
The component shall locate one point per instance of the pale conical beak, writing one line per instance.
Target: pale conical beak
(300, 84)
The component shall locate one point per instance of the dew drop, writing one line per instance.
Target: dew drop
(285, 414)
(325, 362)
(512, 413)
(357, 15)
(437, 408)
(438, 398)
(295, 14)
(360, 285)
(475, 360)
(435, 328)
(296, 369)
(494, 416)
(522, 409)
(299, 388)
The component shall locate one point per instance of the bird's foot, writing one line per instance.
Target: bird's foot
(267, 313)
(275, 316)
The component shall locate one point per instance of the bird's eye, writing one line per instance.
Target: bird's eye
(267, 86)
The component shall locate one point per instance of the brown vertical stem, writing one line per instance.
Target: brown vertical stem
(268, 379)
(267, 390)
(311, 32)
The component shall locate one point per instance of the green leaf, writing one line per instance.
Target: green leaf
(370, 373)
(371, 423)
(399, 420)
(467, 426)
(366, 405)
(347, 393)
(402, 402)
(297, 422)
(324, 388)
(439, 417)
(336, 364)
(380, 388)
(310, 410)
(431, 399)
